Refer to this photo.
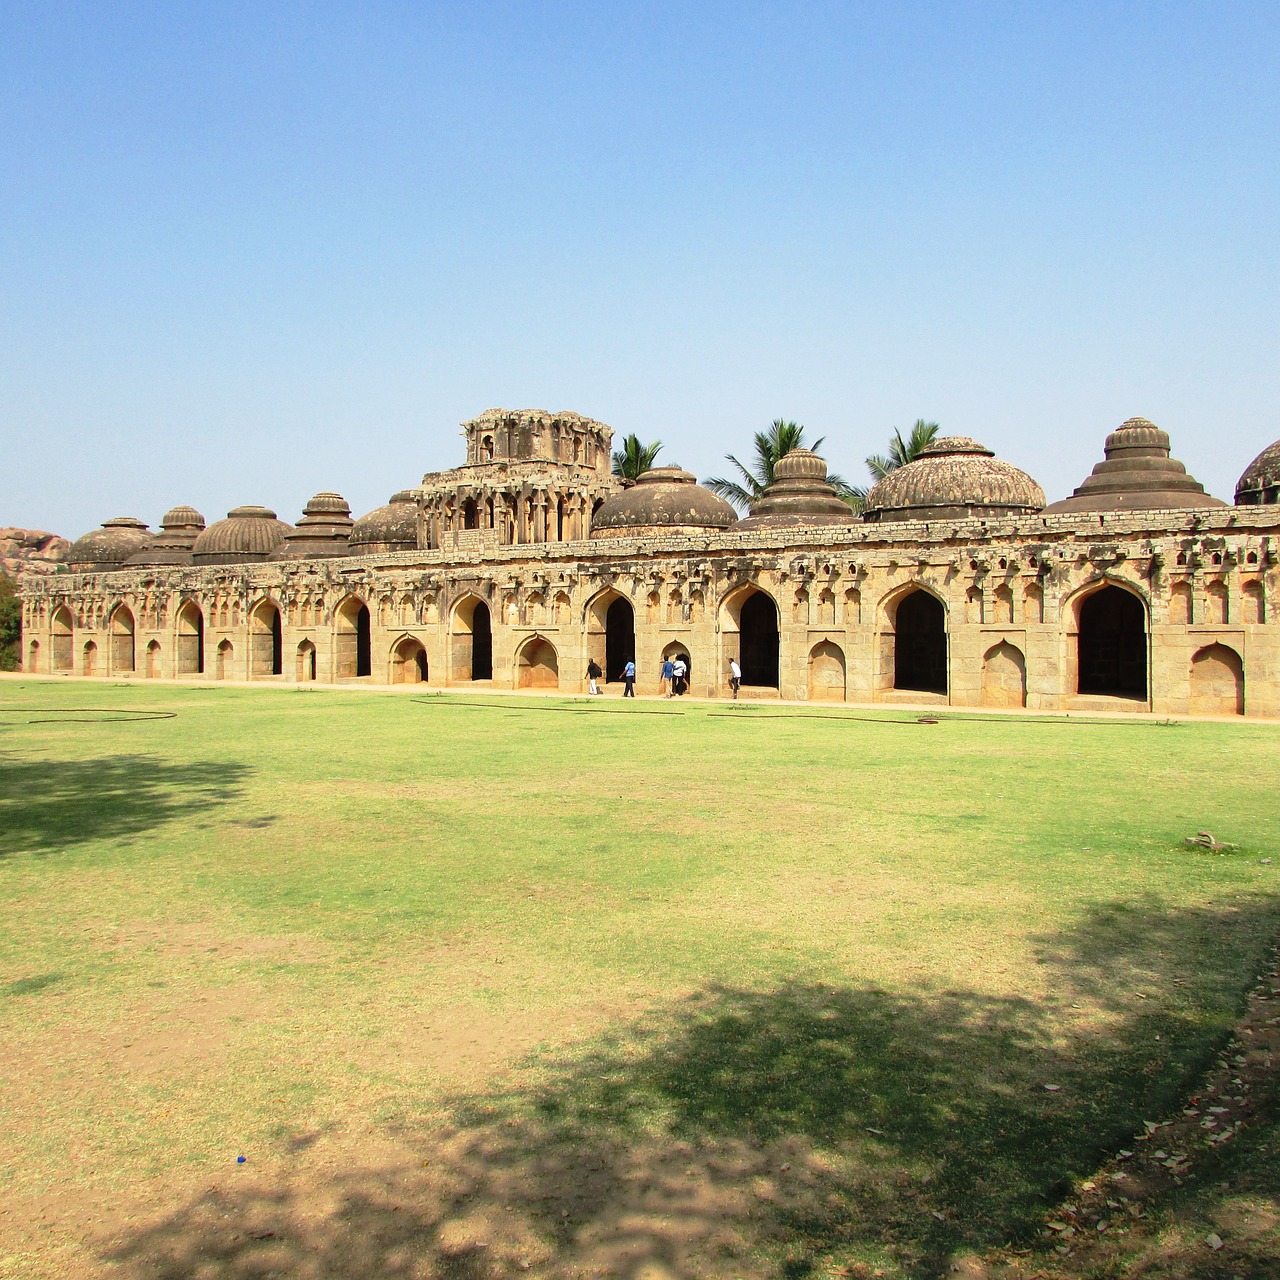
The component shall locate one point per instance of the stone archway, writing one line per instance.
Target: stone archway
(826, 672)
(353, 648)
(1004, 676)
(619, 637)
(537, 665)
(63, 640)
(90, 658)
(266, 641)
(122, 638)
(758, 640)
(190, 647)
(152, 668)
(920, 643)
(305, 662)
(408, 662)
(224, 660)
(471, 640)
(1217, 682)
(1111, 645)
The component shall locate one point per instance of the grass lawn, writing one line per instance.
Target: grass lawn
(523, 986)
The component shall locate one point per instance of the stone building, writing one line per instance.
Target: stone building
(958, 586)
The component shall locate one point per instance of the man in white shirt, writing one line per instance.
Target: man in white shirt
(735, 675)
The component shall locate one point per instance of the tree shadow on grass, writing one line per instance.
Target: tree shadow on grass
(49, 805)
(765, 1133)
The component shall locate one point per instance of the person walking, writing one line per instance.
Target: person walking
(679, 669)
(668, 676)
(735, 675)
(629, 679)
(593, 674)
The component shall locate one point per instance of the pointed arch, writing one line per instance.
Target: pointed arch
(470, 639)
(914, 648)
(1217, 682)
(1111, 651)
(537, 664)
(266, 640)
(611, 631)
(190, 639)
(408, 661)
(749, 622)
(826, 672)
(353, 644)
(1004, 676)
(122, 629)
(62, 627)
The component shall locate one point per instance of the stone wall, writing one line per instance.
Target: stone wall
(1011, 599)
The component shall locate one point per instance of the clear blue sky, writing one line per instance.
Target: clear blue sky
(253, 250)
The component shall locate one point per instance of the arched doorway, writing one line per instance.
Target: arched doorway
(758, 640)
(408, 662)
(62, 640)
(619, 637)
(190, 640)
(33, 656)
(537, 666)
(122, 654)
(223, 662)
(470, 514)
(678, 649)
(1004, 676)
(472, 640)
(826, 672)
(1111, 647)
(354, 649)
(153, 660)
(266, 641)
(90, 660)
(1217, 682)
(305, 668)
(920, 643)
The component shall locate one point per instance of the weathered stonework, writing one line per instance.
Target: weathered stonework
(1172, 611)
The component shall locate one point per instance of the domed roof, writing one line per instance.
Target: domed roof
(1136, 474)
(172, 545)
(248, 533)
(953, 477)
(109, 547)
(799, 495)
(390, 528)
(322, 532)
(1261, 480)
(182, 517)
(662, 500)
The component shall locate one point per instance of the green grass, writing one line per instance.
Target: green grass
(606, 971)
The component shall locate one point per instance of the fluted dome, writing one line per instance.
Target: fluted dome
(800, 495)
(247, 534)
(1136, 474)
(179, 529)
(663, 500)
(1261, 480)
(953, 477)
(323, 531)
(109, 547)
(390, 528)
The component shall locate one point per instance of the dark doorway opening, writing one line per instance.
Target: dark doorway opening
(920, 644)
(1113, 645)
(758, 627)
(277, 644)
(364, 650)
(619, 638)
(470, 515)
(481, 643)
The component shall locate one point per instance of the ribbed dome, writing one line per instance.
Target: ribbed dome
(390, 528)
(109, 547)
(172, 545)
(247, 534)
(953, 477)
(1261, 480)
(800, 495)
(323, 531)
(662, 500)
(1136, 474)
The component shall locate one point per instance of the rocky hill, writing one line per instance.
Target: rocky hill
(31, 551)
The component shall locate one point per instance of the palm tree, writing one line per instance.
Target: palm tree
(634, 458)
(770, 447)
(900, 453)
